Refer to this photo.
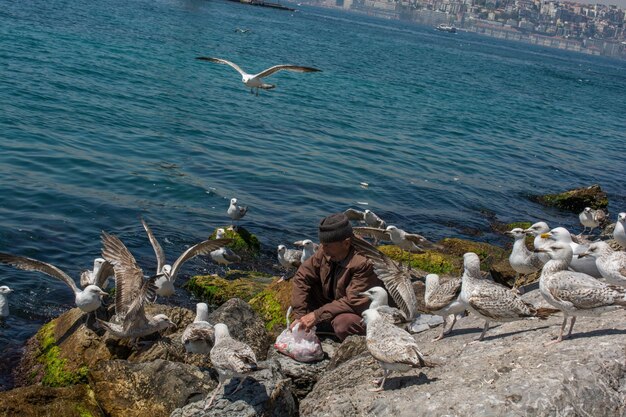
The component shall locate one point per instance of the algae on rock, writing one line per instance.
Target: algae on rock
(243, 240)
(271, 305)
(216, 290)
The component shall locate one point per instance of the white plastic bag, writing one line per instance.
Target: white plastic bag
(299, 345)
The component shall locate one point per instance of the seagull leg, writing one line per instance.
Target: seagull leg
(560, 338)
(443, 332)
(382, 382)
(210, 401)
(571, 326)
(452, 325)
(482, 335)
(239, 385)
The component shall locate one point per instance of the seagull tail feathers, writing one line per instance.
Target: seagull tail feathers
(543, 313)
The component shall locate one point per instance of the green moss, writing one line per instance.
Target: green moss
(216, 290)
(243, 241)
(82, 411)
(488, 254)
(55, 373)
(269, 309)
(576, 200)
(430, 261)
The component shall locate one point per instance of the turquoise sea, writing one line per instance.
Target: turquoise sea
(106, 116)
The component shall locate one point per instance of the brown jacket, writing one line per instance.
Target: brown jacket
(312, 286)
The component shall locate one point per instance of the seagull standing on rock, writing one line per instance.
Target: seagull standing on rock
(231, 359)
(591, 218)
(87, 300)
(255, 81)
(288, 259)
(236, 212)
(4, 302)
(394, 349)
(380, 303)
(223, 255)
(522, 260)
(586, 265)
(443, 299)
(492, 301)
(199, 336)
(575, 293)
(619, 233)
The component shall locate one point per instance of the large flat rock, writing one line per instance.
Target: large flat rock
(510, 373)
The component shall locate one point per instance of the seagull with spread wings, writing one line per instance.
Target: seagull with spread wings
(87, 300)
(132, 292)
(397, 280)
(165, 282)
(255, 81)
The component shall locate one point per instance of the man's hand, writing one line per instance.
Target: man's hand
(306, 322)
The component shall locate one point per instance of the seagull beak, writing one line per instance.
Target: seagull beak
(508, 233)
(298, 243)
(582, 255)
(364, 294)
(539, 250)
(546, 235)
(104, 293)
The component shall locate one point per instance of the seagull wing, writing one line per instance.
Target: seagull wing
(293, 257)
(29, 264)
(396, 280)
(353, 214)
(394, 345)
(158, 250)
(106, 270)
(202, 248)
(276, 68)
(136, 315)
(86, 278)
(128, 275)
(421, 241)
(222, 61)
(444, 294)
(197, 332)
(500, 304)
(372, 232)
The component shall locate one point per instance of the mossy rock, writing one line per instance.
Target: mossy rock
(506, 227)
(271, 305)
(217, 290)
(55, 372)
(577, 199)
(429, 261)
(243, 241)
(488, 254)
(39, 400)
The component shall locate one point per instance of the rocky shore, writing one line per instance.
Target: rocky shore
(70, 368)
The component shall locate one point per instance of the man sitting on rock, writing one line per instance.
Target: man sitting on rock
(326, 287)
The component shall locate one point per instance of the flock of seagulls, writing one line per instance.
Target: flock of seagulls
(567, 282)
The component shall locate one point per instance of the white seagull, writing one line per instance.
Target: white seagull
(255, 81)
(619, 234)
(522, 260)
(87, 300)
(288, 259)
(223, 255)
(591, 218)
(4, 302)
(586, 265)
(99, 275)
(308, 248)
(610, 263)
(236, 212)
(443, 299)
(165, 282)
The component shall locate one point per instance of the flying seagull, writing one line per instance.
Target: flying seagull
(4, 303)
(368, 217)
(165, 283)
(88, 299)
(132, 292)
(255, 81)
